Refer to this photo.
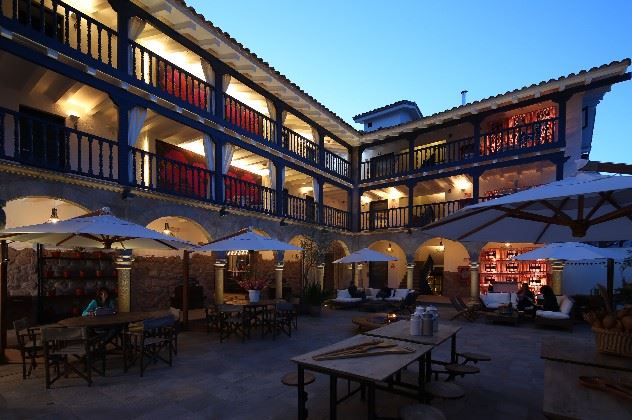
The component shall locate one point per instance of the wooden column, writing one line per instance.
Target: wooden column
(411, 193)
(320, 210)
(4, 297)
(185, 290)
(219, 175)
(280, 186)
(220, 265)
(123, 267)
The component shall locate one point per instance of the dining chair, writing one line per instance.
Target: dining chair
(30, 344)
(147, 342)
(60, 346)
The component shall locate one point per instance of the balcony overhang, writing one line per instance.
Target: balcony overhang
(192, 25)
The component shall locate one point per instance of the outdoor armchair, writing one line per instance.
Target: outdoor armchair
(29, 343)
(148, 343)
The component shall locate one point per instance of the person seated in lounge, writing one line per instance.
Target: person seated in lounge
(384, 293)
(102, 300)
(353, 289)
(526, 298)
(550, 301)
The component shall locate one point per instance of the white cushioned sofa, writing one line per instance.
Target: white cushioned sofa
(562, 319)
(343, 297)
(398, 295)
(493, 301)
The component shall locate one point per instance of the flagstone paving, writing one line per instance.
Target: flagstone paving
(235, 380)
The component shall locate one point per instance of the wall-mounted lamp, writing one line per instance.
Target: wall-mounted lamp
(390, 248)
(507, 245)
(441, 247)
(74, 120)
(53, 216)
(166, 230)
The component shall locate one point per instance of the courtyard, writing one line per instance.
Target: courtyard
(235, 380)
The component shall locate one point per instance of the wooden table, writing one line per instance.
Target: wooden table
(565, 360)
(372, 372)
(119, 318)
(512, 317)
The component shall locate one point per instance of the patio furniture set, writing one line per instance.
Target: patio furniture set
(268, 317)
(376, 360)
(74, 344)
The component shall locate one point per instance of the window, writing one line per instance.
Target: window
(369, 124)
(42, 138)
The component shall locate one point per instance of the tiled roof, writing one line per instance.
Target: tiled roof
(385, 107)
(266, 64)
(583, 76)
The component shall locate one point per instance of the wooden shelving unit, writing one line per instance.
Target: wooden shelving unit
(68, 280)
(496, 266)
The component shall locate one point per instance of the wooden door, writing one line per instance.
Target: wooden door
(378, 275)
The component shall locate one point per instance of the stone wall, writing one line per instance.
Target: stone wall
(153, 281)
(22, 272)
(202, 269)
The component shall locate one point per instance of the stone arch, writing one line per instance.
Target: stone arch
(34, 209)
(450, 264)
(337, 276)
(396, 270)
(183, 228)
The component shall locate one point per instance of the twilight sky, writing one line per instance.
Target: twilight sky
(358, 55)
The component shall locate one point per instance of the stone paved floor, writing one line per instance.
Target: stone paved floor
(232, 380)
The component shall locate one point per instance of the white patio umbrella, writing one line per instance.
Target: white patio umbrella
(589, 206)
(99, 229)
(577, 251)
(248, 240)
(572, 251)
(365, 255)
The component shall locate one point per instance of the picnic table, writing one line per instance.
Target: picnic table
(371, 372)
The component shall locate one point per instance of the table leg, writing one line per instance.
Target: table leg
(371, 401)
(453, 350)
(421, 378)
(428, 366)
(302, 412)
(333, 396)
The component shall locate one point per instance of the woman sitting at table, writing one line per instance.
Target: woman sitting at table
(550, 301)
(102, 300)
(526, 298)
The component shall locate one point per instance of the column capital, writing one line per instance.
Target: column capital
(279, 265)
(220, 263)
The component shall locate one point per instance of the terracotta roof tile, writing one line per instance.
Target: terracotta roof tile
(394, 104)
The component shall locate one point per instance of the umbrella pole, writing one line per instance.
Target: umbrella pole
(4, 273)
(185, 290)
(610, 282)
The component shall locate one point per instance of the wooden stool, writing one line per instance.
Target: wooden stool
(291, 379)
(445, 390)
(455, 369)
(474, 357)
(420, 411)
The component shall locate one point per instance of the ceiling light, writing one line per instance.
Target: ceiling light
(54, 218)
(441, 247)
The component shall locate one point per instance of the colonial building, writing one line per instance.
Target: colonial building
(146, 107)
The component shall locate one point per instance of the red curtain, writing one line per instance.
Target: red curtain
(184, 86)
(243, 117)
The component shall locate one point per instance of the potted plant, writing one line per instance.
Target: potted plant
(254, 288)
(314, 297)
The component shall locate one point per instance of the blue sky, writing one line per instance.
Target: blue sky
(357, 55)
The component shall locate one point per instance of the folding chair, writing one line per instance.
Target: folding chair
(30, 344)
(469, 313)
(62, 343)
(147, 343)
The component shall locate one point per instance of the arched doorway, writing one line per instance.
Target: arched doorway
(381, 274)
(337, 276)
(444, 264)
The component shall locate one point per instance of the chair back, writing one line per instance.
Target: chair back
(71, 340)
(284, 307)
(21, 327)
(158, 323)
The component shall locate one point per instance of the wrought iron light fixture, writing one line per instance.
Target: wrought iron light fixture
(54, 218)
(390, 248)
(167, 230)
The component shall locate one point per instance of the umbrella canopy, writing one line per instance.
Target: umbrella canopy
(365, 255)
(589, 206)
(99, 229)
(248, 240)
(572, 251)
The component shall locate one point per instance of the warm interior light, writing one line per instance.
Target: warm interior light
(53, 216)
(196, 146)
(507, 244)
(462, 184)
(441, 247)
(390, 248)
(166, 230)
(305, 190)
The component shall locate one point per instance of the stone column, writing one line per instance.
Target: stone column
(557, 270)
(410, 272)
(475, 286)
(278, 279)
(320, 275)
(356, 275)
(123, 266)
(220, 265)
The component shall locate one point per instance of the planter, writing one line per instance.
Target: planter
(254, 296)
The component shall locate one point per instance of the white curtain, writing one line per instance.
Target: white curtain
(209, 76)
(225, 82)
(227, 157)
(273, 175)
(134, 29)
(209, 154)
(136, 119)
(315, 135)
(283, 116)
(316, 188)
(271, 109)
